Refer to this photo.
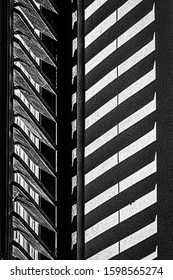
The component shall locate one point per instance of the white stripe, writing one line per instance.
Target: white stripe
(152, 256)
(125, 124)
(138, 145)
(74, 73)
(101, 112)
(122, 96)
(74, 46)
(101, 227)
(124, 9)
(73, 127)
(112, 75)
(112, 220)
(126, 183)
(74, 183)
(109, 21)
(131, 32)
(138, 56)
(73, 239)
(127, 7)
(92, 63)
(74, 100)
(93, 7)
(73, 212)
(100, 29)
(74, 18)
(138, 236)
(101, 198)
(102, 83)
(138, 205)
(74, 155)
(139, 175)
(101, 169)
(107, 253)
(136, 28)
(128, 151)
(103, 139)
(138, 85)
(138, 115)
(125, 213)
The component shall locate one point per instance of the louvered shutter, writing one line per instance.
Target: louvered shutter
(29, 134)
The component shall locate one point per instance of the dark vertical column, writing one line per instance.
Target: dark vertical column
(164, 66)
(46, 235)
(5, 119)
(64, 77)
(80, 131)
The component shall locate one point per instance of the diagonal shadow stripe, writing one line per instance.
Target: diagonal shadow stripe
(116, 30)
(123, 125)
(124, 95)
(120, 172)
(87, 3)
(119, 84)
(121, 156)
(120, 55)
(120, 41)
(122, 68)
(121, 200)
(121, 231)
(119, 142)
(101, 13)
(123, 185)
(138, 251)
(120, 113)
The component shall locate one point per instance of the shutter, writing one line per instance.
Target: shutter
(29, 107)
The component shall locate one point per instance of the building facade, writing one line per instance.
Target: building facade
(86, 108)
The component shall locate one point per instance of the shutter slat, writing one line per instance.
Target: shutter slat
(36, 18)
(19, 252)
(31, 39)
(31, 67)
(31, 123)
(31, 150)
(48, 5)
(29, 177)
(35, 177)
(26, 231)
(31, 94)
(31, 207)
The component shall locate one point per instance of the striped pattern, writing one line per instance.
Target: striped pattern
(120, 130)
(29, 106)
